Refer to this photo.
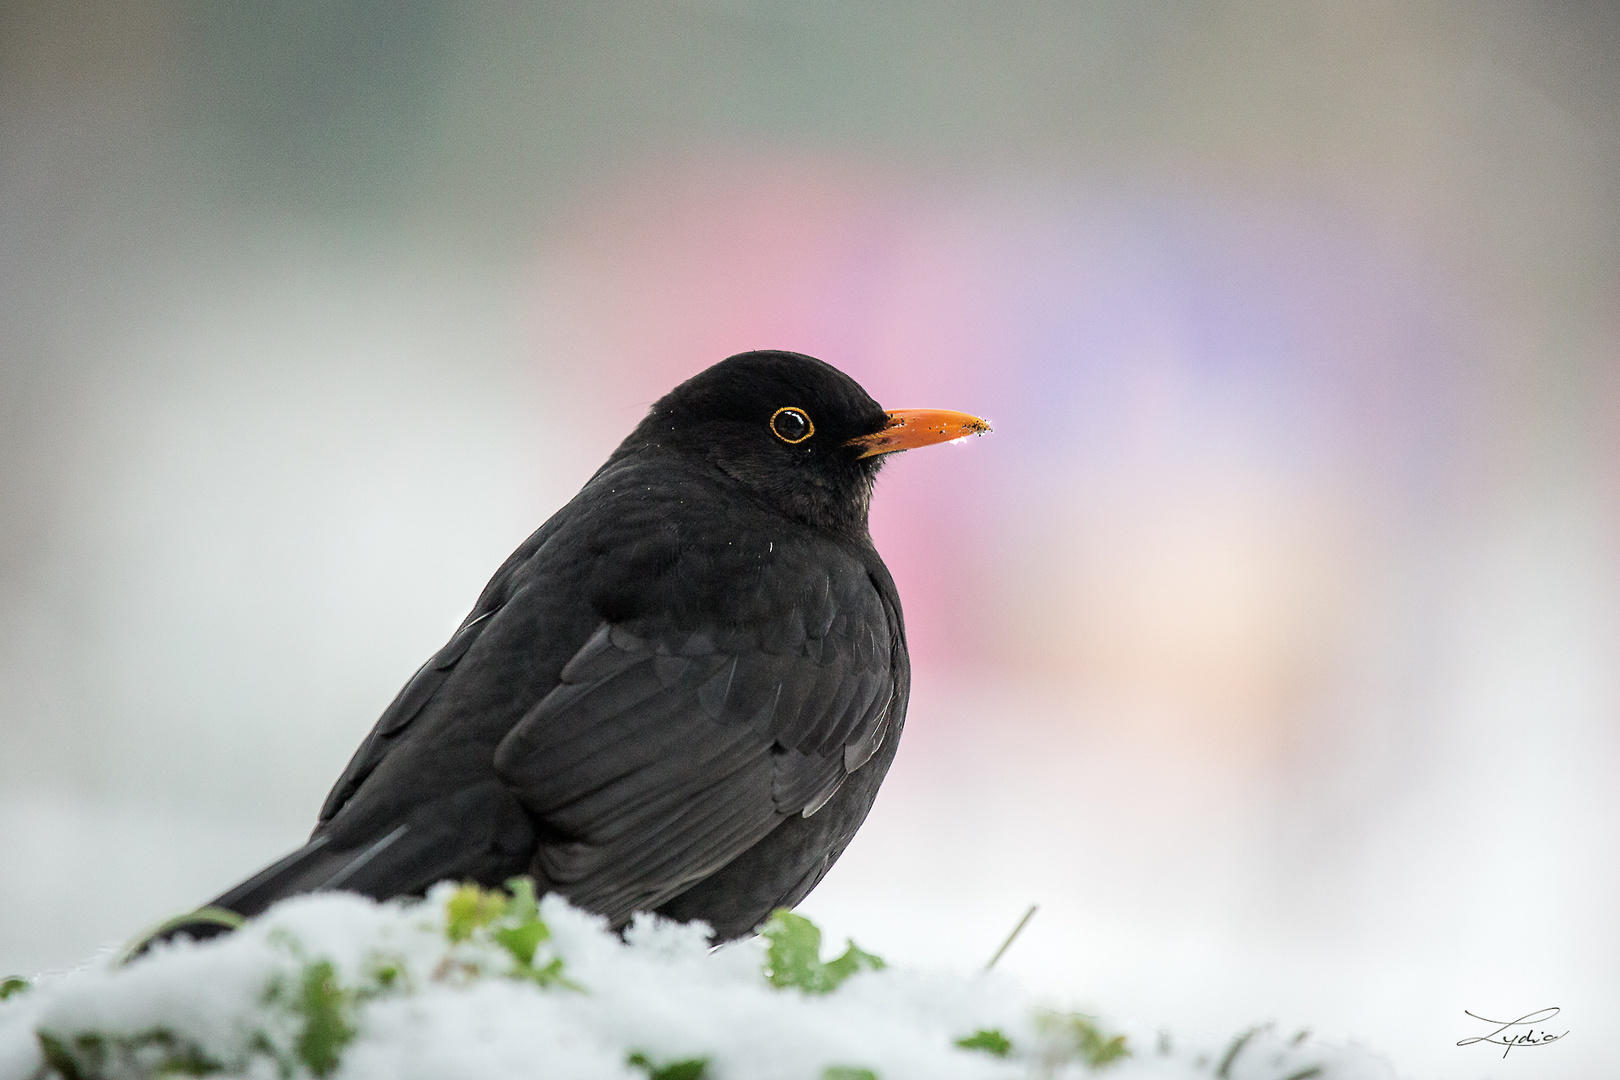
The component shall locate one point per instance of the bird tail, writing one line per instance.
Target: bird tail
(429, 847)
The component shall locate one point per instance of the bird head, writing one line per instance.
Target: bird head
(797, 432)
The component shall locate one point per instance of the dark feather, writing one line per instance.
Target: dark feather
(660, 756)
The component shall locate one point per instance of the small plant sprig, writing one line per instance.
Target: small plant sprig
(989, 1040)
(311, 1014)
(310, 1008)
(794, 956)
(1067, 1037)
(687, 1069)
(510, 920)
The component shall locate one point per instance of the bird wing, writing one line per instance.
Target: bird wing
(410, 701)
(423, 686)
(661, 755)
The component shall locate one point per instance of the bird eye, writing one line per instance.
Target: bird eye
(791, 425)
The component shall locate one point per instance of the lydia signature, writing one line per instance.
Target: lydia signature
(1506, 1036)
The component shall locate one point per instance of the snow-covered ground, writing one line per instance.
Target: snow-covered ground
(473, 984)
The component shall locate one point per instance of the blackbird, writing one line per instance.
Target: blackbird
(679, 695)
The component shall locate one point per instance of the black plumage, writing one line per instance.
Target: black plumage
(680, 694)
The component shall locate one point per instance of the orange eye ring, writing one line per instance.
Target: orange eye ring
(793, 415)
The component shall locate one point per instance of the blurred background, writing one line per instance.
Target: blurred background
(1271, 644)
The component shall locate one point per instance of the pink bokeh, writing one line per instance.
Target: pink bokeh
(1215, 422)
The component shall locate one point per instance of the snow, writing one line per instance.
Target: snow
(414, 1003)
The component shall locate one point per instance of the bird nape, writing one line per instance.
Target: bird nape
(679, 695)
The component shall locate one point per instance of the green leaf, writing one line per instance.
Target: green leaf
(794, 956)
(209, 919)
(155, 1052)
(15, 984)
(523, 906)
(522, 940)
(689, 1069)
(327, 1030)
(549, 974)
(471, 908)
(1073, 1037)
(59, 1057)
(386, 974)
(1310, 1072)
(512, 922)
(847, 1072)
(854, 959)
(521, 930)
(990, 1040)
(1235, 1049)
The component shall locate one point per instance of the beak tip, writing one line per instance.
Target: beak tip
(908, 429)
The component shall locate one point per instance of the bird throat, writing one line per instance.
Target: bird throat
(838, 502)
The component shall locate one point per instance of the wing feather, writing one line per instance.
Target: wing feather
(662, 755)
(412, 698)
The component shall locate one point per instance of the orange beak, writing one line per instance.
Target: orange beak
(908, 429)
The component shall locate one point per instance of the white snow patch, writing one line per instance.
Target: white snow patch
(452, 1010)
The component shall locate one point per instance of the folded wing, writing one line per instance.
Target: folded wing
(662, 755)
